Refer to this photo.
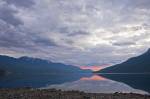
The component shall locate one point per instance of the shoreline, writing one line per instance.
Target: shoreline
(30, 93)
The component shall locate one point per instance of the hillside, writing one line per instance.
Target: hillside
(139, 64)
(28, 65)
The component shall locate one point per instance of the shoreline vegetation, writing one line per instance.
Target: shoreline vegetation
(30, 93)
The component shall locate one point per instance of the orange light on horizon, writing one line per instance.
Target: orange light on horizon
(93, 68)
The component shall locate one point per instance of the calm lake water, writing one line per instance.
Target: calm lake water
(94, 83)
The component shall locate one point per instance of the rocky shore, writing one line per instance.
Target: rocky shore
(29, 93)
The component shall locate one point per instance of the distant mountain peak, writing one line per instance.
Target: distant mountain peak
(31, 59)
(26, 58)
(23, 57)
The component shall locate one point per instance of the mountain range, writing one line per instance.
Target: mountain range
(28, 65)
(139, 64)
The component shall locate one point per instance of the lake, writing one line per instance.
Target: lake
(93, 83)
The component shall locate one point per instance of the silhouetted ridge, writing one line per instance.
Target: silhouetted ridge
(139, 64)
(28, 65)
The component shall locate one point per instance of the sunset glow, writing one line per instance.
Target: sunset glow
(94, 68)
(94, 78)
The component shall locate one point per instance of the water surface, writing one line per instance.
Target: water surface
(93, 83)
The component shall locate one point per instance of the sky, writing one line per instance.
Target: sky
(76, 32)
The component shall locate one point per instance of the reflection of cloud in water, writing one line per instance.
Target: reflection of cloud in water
(94, 78)
(96, 84)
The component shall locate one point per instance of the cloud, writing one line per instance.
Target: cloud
(81, 32)
(126, 43)
(7, 14)
(26, 3)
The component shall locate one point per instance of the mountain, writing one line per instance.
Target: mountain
(2, 72)
(139, 64)
(28, 65)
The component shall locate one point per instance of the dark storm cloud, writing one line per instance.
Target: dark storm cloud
(21, 3)
(66, 30)
(140, 3)
(127, 43)
(77, 33)
(43, 41)
(10, 40)
(12, 37)
(7, 15)
(9, 36)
